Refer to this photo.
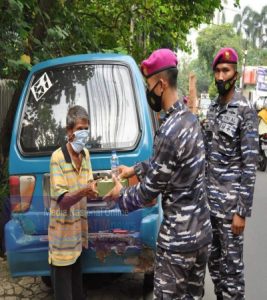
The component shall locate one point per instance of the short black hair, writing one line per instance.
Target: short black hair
(171, 75)
(75, 113)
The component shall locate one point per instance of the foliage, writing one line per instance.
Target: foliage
(214, 37)
(252, 25)
(183, 76)
(202, 76)
(256, 57)
(209, 41)
(212, 90)
(38, 30)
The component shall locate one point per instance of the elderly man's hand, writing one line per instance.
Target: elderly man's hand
(115, 192)
(91, 190)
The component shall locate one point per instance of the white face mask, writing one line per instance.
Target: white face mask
(80, 140)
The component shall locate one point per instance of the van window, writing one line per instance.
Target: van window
(105, 90)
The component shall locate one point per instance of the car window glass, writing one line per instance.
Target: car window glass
(105, 90)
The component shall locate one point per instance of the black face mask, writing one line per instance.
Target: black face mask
(224, 87)
(154, 100)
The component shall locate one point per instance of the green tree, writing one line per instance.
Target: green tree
(36, 30)
(256, 57)
(263, 26)
(202, 76)
(242, 22)
(212, 90)
(214, 37)
(42, 29)
(183, 76)
(252, 26)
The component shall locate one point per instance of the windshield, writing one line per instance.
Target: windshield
(105, 90)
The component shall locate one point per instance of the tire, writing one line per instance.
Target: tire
(148, 284)
(47, 281)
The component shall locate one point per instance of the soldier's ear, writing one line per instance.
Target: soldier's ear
(164, 83)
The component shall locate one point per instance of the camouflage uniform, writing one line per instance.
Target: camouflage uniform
(231, 140)
(176, 171)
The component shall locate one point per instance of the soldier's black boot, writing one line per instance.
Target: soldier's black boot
(219, 296)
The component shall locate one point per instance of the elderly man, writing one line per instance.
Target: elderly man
(231, 141)
(70, 174)
(176, 171)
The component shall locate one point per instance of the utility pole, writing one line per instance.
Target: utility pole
(242, 79)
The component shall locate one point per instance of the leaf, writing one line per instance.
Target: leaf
(16, 5)
(25, 59)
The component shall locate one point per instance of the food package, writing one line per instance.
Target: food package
(106, 185)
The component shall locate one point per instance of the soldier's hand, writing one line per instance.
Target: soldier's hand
(125, 172)
(91, 190)
(115, 192)
(238, 224)
(204, 123)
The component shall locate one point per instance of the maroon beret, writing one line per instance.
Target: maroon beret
(225, 55)
(160, 60)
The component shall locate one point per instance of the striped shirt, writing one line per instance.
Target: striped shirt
(68, 229)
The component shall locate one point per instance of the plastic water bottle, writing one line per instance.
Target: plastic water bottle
(114, 163)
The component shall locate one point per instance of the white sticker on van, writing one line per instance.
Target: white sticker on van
(41, 86)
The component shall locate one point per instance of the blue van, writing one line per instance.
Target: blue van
(111, 88)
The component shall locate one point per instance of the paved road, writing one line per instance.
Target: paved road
(130, 286)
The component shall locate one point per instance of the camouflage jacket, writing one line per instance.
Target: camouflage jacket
(231, 141)
(176, 171)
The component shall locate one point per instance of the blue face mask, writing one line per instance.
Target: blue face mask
(80, 140)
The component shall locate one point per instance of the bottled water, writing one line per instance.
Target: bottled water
(114, 163)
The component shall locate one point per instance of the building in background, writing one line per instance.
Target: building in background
(255, 85)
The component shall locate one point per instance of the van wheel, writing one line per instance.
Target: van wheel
(148, 285)
(47, 281)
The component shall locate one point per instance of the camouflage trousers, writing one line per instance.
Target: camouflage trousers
(180, 275)
(226, 265)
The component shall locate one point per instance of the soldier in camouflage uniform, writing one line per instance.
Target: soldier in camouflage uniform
(231, 141)
(177, 172)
